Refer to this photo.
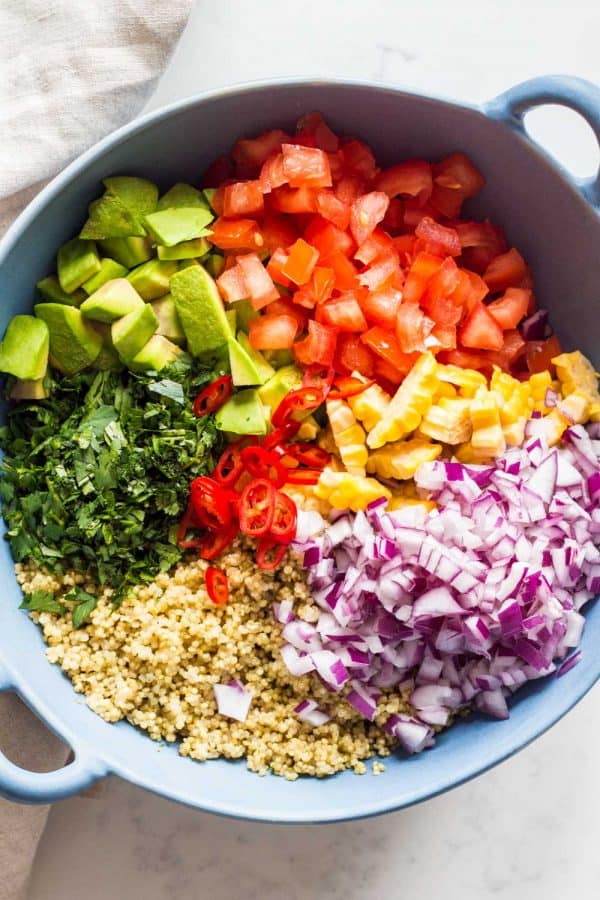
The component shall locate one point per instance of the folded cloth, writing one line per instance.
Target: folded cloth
(70, 71)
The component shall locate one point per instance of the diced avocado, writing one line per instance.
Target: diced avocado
(274, 390)
(186, 250)
(263, 368)
(242, 414)
(129, 251)
(209, 193)
(155, 355)
(172, 226)
(232, 319)
(28, 389)
(243, 370)
(24, 348)
(245, 314)
(279, 358)
(108, 358)
(77, 261)
(186, 263)
(215, 264)
(109, 269)
(74, 343)
(108, 217)
(50, 289)
(200, 310)
(114, 299)
(138, 194)
(169, 325)
(151, 279)
(130, 333)
(182, 194)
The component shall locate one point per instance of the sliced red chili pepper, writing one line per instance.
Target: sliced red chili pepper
(256, 507)
(217, 586)
(301, 400)
(308, 455)
(282, 434)
(215, 542)
(285, 517)
(303, 476)
(214, 396)
(230, 466)
(211, 502)
(348, 387)
(263, 463)
(188, 520)
(270, 553)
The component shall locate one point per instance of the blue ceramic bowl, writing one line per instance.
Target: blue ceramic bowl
(553, 219)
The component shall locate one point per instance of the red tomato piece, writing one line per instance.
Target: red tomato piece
(349, 188)
(470, 290)
(445, 337)
(388, 376)
(273, 332)
(511, 308)
(259, 283)
(318, 347)
(344, 272)
(381, 271)
(514, 345)
(334, 210)
(243, 198)
(444, 241)
(442, 283)
(353, 356)
(218, 172)
(294, 200)
(344, 313)
(305, 296)
(404, 245)
(380, 307)
(275, 267)
(465, 360)
(323, 281)
(358, 159)
(479, 234)
(394, 217)
(506, 270)
(376, 244)
(313, 124)
(407, 179)
(301, 261)
(235, 234)
(306, 166)
(327, 238)
(446, 201)
(412, 327)
(383, 343)
(366, 213)
(424, 266)
(287, 307)
(277, 231)
(458, 173)
(232, 285)
(250, 153)
(541, 353)
(481, 331)
(443, 310)
(271, 174)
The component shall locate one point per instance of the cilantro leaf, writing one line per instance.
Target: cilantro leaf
(42, 601)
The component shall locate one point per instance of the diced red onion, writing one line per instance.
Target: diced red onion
(233, 700)
(308, 711)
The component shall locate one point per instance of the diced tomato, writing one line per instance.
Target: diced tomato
(465, 360)
(232, 285)
(481, 331)
(323, 282)
(275, 267)
(408, 179)
(249, 154)
(306, 166)
(366, 213)
(514, 345)
(218, 172)
(424, 266)
(446, 201)
(318, 347)
(442, 309)
(380, 307)
(440, 240)
(511, 308)
(259, 283)
(349, 188)
(273, 332)
(388, 376)
(358, 159)
(271, 174)
(345, 273)
(336, 165)
(301, 261)
(415, 211)
(404, 245)
(376, 244)
(505, 271)
(412, 327)
(479, 234)
(381, 271)
(343, 313)
(235, 234)
(218, 198)
(445, 335)
(314, 125)
(384, 344)
(305, 296)
(278, 231)
(541, 353)
(470, 289)
(327, 238)
(335, 211)
(353, 356)
(458, 173)
(286, 307)
(394, 217)
(293, 200)
(442, 283)
(243, 198)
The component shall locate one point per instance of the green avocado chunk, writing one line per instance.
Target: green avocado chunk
(77, 261)
(279, 358)
(108, 217)
(138, 194)
(108, 358)
(24, 348)
(129, 251)
(215, 264)
(114, 299)
(74, 344)
(275, 389)
(186, 250)
(130, 333)
(242, 414)
(169, 325)
(245, 314)
(263, 368)
(182, 194)
(109, 269)
(200, 310)
(151, 279)
(50, 289)
(28, 389)
(155, 355)
(232, 319)
(245, 368)
(172, 226)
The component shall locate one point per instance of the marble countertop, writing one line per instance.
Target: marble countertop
(529, 827)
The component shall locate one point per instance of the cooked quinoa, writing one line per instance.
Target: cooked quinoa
(154, 659)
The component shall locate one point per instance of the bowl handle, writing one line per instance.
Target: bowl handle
(22, 786)
(564, 90)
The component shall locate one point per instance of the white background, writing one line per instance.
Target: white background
(529, 829)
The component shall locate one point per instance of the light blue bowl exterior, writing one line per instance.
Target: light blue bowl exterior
(553, 219)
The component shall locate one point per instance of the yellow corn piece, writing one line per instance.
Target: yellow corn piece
(326, 441)
(308, 430)
(402, 502)
(538, 385)
(407, 490)
(340, 416)
(348, 435)
(468, 381)
(402, 459)
(445, 389)
(345, 491)
(467, 454)
(553, 426)
(305, 498)
(370, 405)
(576, 374)
(448, 421)
(487, 438)
(576, 407)
(514, 434)
(410, 402)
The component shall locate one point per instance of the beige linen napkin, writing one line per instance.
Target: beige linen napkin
(70, 72)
